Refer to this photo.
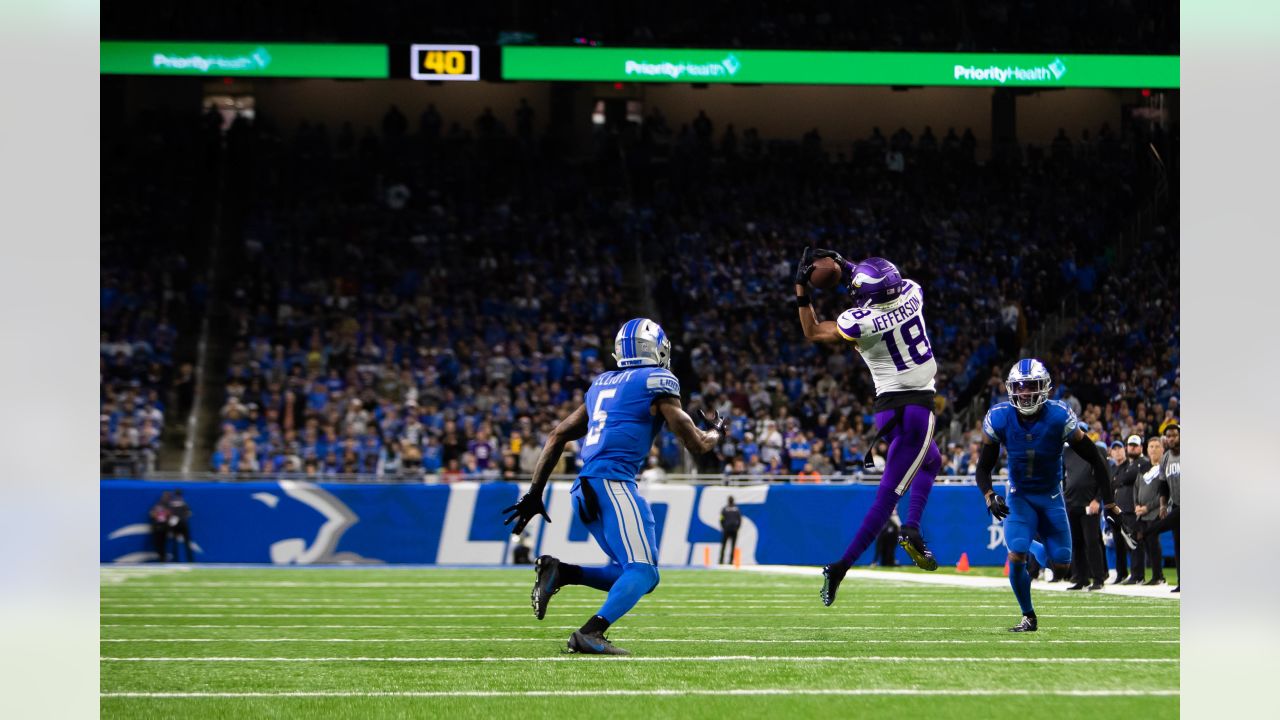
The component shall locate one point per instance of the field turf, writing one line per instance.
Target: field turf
(414, 642)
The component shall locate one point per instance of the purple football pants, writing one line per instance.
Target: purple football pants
(912, 464)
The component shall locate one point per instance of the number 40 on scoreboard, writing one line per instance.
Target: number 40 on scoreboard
(445, 62)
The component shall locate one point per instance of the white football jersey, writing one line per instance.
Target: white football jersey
(892, 341)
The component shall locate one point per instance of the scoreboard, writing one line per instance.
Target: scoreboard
(444, 62)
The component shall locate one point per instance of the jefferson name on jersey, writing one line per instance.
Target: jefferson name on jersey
(620, 428)
(892, 341)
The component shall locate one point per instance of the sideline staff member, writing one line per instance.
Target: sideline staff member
(1134, 465)
(1149, 504)
(730, 521)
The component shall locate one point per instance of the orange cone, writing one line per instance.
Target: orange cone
(706, 556)
(737, 557)
(963, 565)
(1006, 567)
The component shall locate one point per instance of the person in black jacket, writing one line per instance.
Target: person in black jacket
(1129, 563)
(180, 524)
(730, 521)
(159, 516)
(1088, 563)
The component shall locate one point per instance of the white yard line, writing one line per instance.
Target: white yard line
(190, 583)
(703, 641)
(972, 581)
(117, 575)
(655, 692)
(631, 658)
(641, 614)
(590, 604)
(709, 628)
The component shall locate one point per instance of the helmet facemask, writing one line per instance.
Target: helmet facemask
(1028, 395)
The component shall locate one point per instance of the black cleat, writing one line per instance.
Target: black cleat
(1176, 588)
(911, 541)
(1132, 581)
(546, 570)
(1155, 581)
(1097, 585)
(1077, 586)
(593, 644)
(832, 575)
(1028, 624)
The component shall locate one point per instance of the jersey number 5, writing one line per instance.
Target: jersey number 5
(596, 425)
(913, 337)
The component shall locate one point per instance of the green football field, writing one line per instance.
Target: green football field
(414, 642)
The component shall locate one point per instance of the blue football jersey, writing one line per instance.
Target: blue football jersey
(1034, 444)
(620, 428)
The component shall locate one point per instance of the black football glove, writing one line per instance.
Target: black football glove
(997, 507)
(1118, 530)
(805, 268)
(846, 267)
(714, 422)
(824, 253)
(529, 507)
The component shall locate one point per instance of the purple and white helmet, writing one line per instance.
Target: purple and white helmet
(1028, 385)
(875, 281)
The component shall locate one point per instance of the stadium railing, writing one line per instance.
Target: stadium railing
(433, 479)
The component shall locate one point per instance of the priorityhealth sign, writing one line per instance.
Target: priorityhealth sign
(838, 68)
(243, 59)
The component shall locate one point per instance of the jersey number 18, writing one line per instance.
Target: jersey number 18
(913, 337)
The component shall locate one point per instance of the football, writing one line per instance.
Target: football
(826, 274)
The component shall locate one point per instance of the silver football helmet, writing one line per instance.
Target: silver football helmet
(642, 342)
(1028, 385)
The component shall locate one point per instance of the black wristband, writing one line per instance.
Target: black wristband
(802, 301)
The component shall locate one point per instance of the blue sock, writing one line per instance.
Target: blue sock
(636, 580)
(1021, 582)
(1042, 557)
(601, 578)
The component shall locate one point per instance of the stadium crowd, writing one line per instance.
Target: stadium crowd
(152, 175)
(431, 301)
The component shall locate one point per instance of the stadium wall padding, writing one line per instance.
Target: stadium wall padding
(292, 522)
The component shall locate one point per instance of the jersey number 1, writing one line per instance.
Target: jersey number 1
(914, 338)
(596, 425)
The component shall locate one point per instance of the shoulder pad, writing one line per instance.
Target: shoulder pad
(992, 420)
(849, 322)
(662, 382)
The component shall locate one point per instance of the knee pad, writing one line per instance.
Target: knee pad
(1017, 557)
(1061, 556)
(648, 572)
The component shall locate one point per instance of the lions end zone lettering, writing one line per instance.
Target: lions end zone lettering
(300, 523)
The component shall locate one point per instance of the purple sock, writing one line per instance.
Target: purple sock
(874, 520)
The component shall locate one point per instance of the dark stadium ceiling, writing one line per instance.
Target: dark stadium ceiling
(1083, 26)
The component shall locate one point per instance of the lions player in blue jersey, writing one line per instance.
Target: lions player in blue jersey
(1033, 429)
(628, 407)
